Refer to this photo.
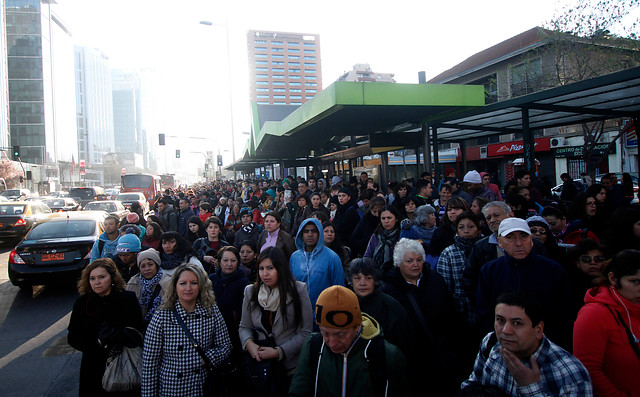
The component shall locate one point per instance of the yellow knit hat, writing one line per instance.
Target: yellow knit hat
(338, 307)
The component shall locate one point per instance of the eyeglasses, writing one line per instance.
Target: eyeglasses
(539, 231)
(589, 259)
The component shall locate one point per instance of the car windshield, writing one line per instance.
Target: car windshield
(10, 209)
(10, 192)
(109, 207)
(128, 196)
(62, 229)
(55, 203)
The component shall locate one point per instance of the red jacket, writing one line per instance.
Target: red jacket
(602, 345)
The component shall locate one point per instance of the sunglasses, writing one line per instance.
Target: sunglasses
(589, 259)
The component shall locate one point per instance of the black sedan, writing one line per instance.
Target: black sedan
(18, 217)
(55, 250)
(62, 204)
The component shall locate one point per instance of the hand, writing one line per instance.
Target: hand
(268, 353)
(522, 374)
(252, 348)
(209, 259)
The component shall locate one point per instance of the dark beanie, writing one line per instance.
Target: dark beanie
(345, 190)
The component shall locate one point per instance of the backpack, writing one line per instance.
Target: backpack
(375, 355)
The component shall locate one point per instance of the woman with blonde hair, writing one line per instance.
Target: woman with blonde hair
(187, 328)
(104, 318)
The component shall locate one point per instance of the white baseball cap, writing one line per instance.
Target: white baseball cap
(510, 225)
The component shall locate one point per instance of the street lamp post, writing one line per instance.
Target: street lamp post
(233, 139)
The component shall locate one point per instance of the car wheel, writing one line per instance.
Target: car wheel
(15, 280)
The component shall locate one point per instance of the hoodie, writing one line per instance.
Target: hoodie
(108, 250)
(319, 269)
(601, 343)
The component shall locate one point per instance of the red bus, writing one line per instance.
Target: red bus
(147, 184)
(167, 181)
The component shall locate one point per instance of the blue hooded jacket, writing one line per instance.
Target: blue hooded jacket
(319, 269)
(108, 250)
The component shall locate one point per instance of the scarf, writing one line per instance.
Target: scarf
(269, 298)
(171, 261)
(465, 244)
(249, 228)
(384, 251)
(147, 291)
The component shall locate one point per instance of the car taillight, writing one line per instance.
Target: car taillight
(60, 210)
(14, 257)
(20, 222)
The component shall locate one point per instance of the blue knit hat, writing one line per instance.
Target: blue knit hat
(128, 243)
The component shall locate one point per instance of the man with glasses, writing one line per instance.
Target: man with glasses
(521, 268)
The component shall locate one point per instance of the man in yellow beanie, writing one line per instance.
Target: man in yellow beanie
(349, 357)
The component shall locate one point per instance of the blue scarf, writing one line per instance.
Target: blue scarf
(171, 261)
(147, 291)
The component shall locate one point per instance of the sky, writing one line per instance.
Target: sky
(190, 59)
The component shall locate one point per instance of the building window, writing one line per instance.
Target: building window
(279, 96)
(295, 90)
(296, 103)
(262, 103)
(261, 55)
(277, 69)
(295, 97)
(293, 43)
(310, 90)
(526, 77)
(309, 51)
(310, 77)
(261, 62)
(277, 42)
(278, 76)
(262, 89)
(293, 57)
(262, 69)
(276, 56)
(278, 83)
(309, 71)
(295, 83)
(310, 64)
(262, 76)
(262, 96)
(294, 77)
(310, 58)
(261, 48)
(277, 49)
(294, 70)
(294, 63)
(277, 63)
(260, 41)
(311, 84)
(262, 82)
(309, 44)
(293, 50)
(490, 84)
(278, 90)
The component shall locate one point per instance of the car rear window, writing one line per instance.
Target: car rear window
(55, 203)
(62, 229)
(128, 196)
(10, 209)
(84, 193)
(100, 207)
(11, 192)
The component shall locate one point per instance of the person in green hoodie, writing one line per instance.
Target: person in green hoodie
(349, 357)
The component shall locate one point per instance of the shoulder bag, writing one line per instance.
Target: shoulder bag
(124, 368)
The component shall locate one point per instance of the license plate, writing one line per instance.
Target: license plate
(52, 257)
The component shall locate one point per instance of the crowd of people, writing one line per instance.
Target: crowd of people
(337, 287)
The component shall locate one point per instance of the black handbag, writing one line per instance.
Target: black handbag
(267, 377)
(219, 381)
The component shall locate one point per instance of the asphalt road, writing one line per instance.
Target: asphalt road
(35, 359)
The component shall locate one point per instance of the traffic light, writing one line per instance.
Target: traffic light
(177, 153)
(161, 139)
(206, 167)
(219, 160)
(16, 153)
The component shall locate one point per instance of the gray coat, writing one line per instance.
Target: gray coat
(289, 339)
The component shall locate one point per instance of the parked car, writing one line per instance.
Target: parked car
(18, 217)
(112, 193)
(85, 195)
(112, 207)
(62, 204)
(55, 250)
(16, 194)
(128, 198)
(61, 193)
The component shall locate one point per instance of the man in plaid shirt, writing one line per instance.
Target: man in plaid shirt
(520, 360)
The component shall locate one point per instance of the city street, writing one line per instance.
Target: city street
(35, 359)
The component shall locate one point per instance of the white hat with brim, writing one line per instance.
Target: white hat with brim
(511, 225)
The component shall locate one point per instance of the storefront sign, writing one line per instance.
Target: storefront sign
(577, 151)
(516, 147)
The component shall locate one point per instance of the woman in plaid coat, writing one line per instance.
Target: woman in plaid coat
(171, 366)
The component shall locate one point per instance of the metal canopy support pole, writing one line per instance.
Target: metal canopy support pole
(436, 161)
(528, 143)
(635, 125)
(463, 152)
(282, 169)
(384, 171)
(426, 147)
(418, 168)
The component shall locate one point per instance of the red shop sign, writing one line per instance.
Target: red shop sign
(516, 147)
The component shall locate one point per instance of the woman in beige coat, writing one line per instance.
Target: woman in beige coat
(150, 284)
(278, 306)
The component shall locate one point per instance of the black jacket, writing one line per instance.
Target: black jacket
(345, 222)
(362, 233)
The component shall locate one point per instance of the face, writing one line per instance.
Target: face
(213, 230)
(525, 193)
(467, 229)
(539, 233)
(161, 207)
(310, 235)
(324, 197)
(246, 219)
(247, 255)
(453, 213)
(428, 191)
(494, 215)
(302, 202)
(315, 201)
(128, 258)
(302, 188)
(515, 331)
(516, 244)
(388, 220)
(183, 204)
(236, 209)
(110, 226)
(525, 181)
(628, 286)
(193, 227)
(475, 208)
(329, 235)
(363, 285)
(187, 288)
(592, 263)
(590, 206)
(268, 273)
(556, 225)
(432, 220)
(100, 281)
(339, 340)
(410, 207)
(402, 192)
(636, 229)
(606, 183)
(375, 210)
(602, 195)
(228, 262)
(411, 266)
(150, 230)
(445, 195)
(486, 180)
(148, 268)
(312, 184)
(343, 198)
(271, 224)
(168, 246)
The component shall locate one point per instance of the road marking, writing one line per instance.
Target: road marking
(36, 341)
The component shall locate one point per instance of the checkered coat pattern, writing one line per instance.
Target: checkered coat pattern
(171, 365)
(451, 265)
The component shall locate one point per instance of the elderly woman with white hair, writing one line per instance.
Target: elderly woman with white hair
(429, 304)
